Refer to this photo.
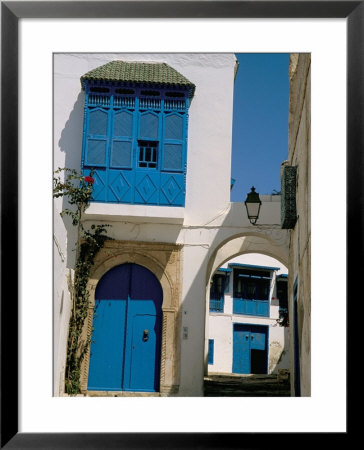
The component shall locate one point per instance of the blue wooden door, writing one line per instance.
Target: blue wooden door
(250, 348)
(126, 340)
(241, 349)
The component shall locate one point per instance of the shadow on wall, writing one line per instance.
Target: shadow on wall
(280, 359)
(70, 143)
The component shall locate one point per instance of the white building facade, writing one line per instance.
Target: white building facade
(174, 246)
(248, 330)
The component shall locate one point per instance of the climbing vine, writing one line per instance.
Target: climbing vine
(78, 190)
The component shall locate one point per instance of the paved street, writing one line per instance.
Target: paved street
(246, 386)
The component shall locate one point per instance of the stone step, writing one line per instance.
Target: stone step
(246, 386)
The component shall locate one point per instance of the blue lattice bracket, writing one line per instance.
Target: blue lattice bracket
(288, 197)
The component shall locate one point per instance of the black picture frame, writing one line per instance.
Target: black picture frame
(11, 12)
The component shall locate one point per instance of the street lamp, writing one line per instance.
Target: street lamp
(252, 204)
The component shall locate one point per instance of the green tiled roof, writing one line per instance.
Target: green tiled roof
(139, 72)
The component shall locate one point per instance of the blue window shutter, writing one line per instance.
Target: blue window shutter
(173, 156)
(97, 137)
(173, 127)
(96, 152)
(217, 293)
(227, 282)
(123, 124)
(98, 122)
(121, 154)
(173, 142)
(148, 126)
(122, 142)
(211, 351)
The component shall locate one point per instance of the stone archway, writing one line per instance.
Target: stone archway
(274, 244)
(164, 261)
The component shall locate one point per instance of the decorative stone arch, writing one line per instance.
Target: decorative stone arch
(164, 261)
(272, 242)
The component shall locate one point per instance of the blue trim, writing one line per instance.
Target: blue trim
(251, 266)
(222, 269)
(211, 351)
(251, 307)
(243, 275)
(282, 275)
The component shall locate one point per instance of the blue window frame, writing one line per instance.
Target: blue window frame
(211, 351)
(135, 139)
(251, 292)
(217, 291)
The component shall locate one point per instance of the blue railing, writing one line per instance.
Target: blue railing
(251, 307)
(217, 305)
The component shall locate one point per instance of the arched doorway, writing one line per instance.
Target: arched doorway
(244, 329)
(125, 351)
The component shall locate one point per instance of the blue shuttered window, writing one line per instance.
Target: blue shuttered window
(136, 141)
(217, 291)
(251, 292)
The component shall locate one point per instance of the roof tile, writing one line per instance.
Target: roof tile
(139, 72)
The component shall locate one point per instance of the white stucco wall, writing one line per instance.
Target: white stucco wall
(220, 325)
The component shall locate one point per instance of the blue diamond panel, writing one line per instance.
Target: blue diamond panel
(120, 186)
(146, 188)
(172, 189)
(99, 186)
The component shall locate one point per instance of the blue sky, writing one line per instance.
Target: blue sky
(260, 123)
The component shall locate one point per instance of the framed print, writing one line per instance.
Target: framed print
(137, 149)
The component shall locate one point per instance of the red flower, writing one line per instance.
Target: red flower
(89, 180)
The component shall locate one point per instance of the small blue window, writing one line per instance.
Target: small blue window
(148, 154)
(211, 351)
(217, 293)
